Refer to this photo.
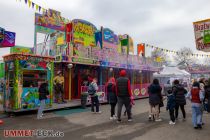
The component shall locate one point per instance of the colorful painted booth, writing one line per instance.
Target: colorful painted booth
(23, 75)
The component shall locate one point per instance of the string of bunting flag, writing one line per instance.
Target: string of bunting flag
(33, 5)
(175, 52)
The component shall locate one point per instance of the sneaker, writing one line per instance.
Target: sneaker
(199, 126)
(158, 120)
(119, 121)
(150, 117)
(130, 120)
(111, 118)
(114, 117)
(40, 117)
(99, 112)
(93, 112)
(172, 123)
(183, 119)
(195, 127)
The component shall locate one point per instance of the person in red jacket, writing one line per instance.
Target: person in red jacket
(196, 97)
(123, 90)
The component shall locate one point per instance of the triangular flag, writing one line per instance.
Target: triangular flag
(37, 7)
(40, 8)
(26, 1)
(33, 5)
(43, 10)
(29, 3)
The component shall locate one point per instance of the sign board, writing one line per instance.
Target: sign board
(50, 19)
(202, 35)
(85, 61)
(141, 50)
(124, 41)
(20, 49)
(109, 36)
(131, 47)
(7, 39)
(83, 32)
(1, 34)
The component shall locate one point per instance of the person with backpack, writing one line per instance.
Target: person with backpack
(155, 99)
(92, 89)
(111, 96)
(43, 93)
(123, 89)
(171, 104)
(196, 97)
(179, 92)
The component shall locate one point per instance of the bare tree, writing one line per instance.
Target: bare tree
(184, 58)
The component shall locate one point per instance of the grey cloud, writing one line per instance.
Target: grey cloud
(165, 23)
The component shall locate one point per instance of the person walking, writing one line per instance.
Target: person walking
(43, 93)
(123, 89)
(155, 98)
(202, 85)
(179, 92)
(92, 89)
(111, 96)
(171, 104)
(207, 96)
(196, 97)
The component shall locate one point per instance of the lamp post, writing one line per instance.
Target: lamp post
(70, 66)
(140, 72)
(111, 71)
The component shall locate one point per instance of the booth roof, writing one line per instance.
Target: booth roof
(171, 72)
(21, 56)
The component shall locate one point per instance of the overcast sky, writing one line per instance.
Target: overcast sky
(162, 23)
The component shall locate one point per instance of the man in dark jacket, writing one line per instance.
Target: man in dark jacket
(123, 91)
(179, 92)
(43, 93)
(207, 96)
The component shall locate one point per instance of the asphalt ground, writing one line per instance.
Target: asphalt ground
(83, 125)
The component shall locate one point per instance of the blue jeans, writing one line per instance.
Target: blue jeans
(196, 115)
(41, 108)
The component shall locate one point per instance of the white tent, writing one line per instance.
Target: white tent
(171, 73)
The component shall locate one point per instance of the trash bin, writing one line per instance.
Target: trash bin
(84, 99)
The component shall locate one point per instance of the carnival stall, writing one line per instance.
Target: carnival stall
(23, 75)
(168, 74)
(84, 57)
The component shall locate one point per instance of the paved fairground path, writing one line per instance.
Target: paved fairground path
(83, 125)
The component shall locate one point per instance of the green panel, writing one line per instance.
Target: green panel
(21, 49)
(206, 37)
(2, 70)
(16, 80)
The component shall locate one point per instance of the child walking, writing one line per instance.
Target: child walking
(111, 96)
(171, 103)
